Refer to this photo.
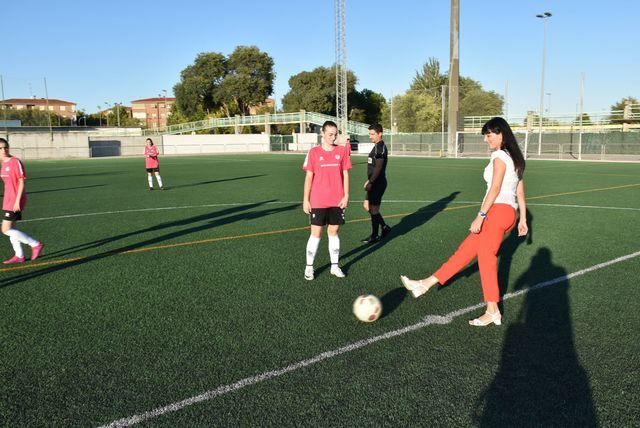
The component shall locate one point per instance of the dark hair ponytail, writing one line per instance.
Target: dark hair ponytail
(498, 125)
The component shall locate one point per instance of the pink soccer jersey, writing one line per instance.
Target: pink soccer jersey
(12, 172)
(151, 156)
(327, 188)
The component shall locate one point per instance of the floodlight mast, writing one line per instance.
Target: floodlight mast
(341, 67)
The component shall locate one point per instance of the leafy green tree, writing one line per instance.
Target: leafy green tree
(428, 83)
(248, 81)
(620, 106)
(430, 79)
(371, 104)
(216, 83)
(199, 87)
(33, 117)
(586, 120)
(477, 102)
(316, 91)
(416, 112)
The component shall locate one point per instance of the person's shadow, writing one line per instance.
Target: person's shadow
(193, 225)
(392, 299)
(540, 381)
(406, 225)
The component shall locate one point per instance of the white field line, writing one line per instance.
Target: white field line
(426, 321)
(234, 204)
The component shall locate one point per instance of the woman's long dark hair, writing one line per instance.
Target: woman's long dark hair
(498, 125)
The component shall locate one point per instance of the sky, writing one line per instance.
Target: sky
(119, 51)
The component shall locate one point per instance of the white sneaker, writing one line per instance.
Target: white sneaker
(336, 271)
(416, 287)
(308, 273)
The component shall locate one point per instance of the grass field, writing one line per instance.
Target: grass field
(188, 307)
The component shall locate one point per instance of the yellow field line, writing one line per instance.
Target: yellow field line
(275, 232)
(583, 191)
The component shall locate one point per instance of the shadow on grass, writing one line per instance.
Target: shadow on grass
(216, 219)
(406, 225)
(31, 192)
(156, 227)
(540, 381)
(392, 300)
(202, 183)
(88, 174)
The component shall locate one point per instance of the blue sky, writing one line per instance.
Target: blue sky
(118, 51)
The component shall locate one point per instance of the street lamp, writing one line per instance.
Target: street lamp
(107, 105)
(544, 16)
(100, 113)
(548, 94)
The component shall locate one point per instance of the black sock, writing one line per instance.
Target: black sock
(374, 224)
(380, 220)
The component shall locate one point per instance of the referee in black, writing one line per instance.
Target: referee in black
(376, 184)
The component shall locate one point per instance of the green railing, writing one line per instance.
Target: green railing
(255, 120)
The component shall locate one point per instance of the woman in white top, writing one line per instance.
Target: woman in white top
(497, 215)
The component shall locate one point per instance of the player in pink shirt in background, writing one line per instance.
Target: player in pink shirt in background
(13, 203)
(326, 195)
(151, 162)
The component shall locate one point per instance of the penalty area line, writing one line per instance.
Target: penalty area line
(425, 322)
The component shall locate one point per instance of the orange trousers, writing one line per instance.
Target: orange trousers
(484, 245)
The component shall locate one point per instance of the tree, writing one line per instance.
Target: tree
(231, 85)
(249, 79)
(32, 117)
(477, 102)
(586, 119)
(621, 105)
(428, 82)
(371, 104)
(316, 91)
(198, 90)
(416, 112)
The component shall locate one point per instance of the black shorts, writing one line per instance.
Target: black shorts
(150, 170)
(12, 215)
(323, 216)
(374, 196)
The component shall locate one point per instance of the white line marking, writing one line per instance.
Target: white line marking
(232, 204)
(426, 321)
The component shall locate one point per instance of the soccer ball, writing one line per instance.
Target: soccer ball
(367, 308)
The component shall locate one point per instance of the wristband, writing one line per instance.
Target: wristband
(482, 214)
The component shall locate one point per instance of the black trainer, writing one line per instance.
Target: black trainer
(371, 239)
(386, 229)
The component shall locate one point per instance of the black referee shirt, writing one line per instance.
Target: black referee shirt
(379, 151)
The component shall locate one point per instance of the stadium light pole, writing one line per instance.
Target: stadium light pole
(544, 16)
(107, 115)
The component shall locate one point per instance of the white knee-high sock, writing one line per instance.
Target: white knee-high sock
(334, 249)
(17, 237)
(312, 249)
(150, 179)
(159, 180)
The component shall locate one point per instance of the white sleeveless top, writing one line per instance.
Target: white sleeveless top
(510, 181)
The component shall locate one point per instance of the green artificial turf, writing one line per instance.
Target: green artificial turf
(143, 299)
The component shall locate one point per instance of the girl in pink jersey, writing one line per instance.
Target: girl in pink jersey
(13, 203)
(326, 195)
(151, 162)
